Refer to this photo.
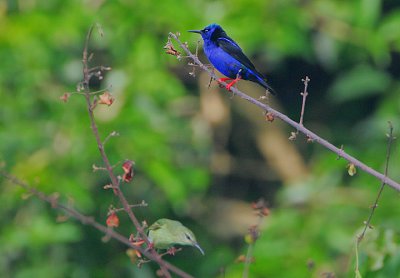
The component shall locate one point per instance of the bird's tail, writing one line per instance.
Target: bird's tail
(263, 83)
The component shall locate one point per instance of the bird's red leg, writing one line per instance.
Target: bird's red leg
(172, 251)
(228, 87)
(223, 79)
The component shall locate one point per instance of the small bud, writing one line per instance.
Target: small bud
(240, 259)
(293, 136)
(65, 97)
(112, 220)
(128, 171)
(131, 253)
(248, 239)
(269, 117)
(170, 49)
(351, 169)
(106, 98)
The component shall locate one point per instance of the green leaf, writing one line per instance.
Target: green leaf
(359, 82)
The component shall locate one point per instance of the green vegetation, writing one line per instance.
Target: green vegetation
(201, 156)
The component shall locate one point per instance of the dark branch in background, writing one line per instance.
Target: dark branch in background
(309, 134)
(115, 182)
(262, 211)
(367, 223)
(88, 220)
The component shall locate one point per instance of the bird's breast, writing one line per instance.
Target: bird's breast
(223, 62)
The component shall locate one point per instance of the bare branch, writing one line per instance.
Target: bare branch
(88, 220)
(375, 205)
(304, 94)
(311, 135)
(114, 180)
(367, 224)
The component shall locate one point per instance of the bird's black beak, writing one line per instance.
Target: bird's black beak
(195, 244)
(195, 31)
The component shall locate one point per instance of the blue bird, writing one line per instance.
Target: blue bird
(228, 58)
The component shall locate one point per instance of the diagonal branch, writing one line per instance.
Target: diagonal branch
(314, 137)
(100, 145)
(109, 168)
(88, 220)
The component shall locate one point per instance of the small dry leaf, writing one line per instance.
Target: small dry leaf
(351, 169)
(106, 98)
(240, 259)
(131, 253)
(65, 97)
(260, 207)
(252, 235)
(112, 220)
(128, 171)
(293, 136)
(160, 273)
(170, 49)
(269, 117)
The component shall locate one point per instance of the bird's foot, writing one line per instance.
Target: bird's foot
(223, 79)
(150, 247)
(228, 87)
(172, 251)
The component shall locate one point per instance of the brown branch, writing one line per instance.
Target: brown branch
(375, 205)
(304, 94)
(114, 180)
(367, 223)
(142, 204)
(88, 220)
(311, 135)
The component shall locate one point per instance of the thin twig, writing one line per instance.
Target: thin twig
(247, 261)
(261, 209)
(304, 94)
(112, 134)
(367, 223)
(142, 204)
(314, 137)
(107, 164)
(88, 220)
(375, 205)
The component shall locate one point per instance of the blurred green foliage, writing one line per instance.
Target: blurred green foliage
(349, 49)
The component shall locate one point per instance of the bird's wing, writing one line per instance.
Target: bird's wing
(231, 47)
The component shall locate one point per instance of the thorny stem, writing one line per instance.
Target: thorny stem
(88, 220)
(311, 135)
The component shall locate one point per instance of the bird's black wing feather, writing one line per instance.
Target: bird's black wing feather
(229, 46)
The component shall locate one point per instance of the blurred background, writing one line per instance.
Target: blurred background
(202, 156)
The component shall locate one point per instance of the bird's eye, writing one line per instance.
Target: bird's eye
(188, 237)
(206, 30)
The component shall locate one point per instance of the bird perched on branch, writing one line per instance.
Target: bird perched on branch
(227, 57)
(165, 233)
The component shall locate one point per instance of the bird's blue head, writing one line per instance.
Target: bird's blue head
(211, 32)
